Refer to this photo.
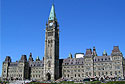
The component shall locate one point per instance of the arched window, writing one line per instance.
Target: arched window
(49, 64)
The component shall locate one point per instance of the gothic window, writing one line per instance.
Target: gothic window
(50, 33)
(109, 58)
(102, 68)
(68, 75)
(119, 72)
(78, 75)
(111, 73)
(51, 41)
(82, 75)
(99, 73)
(49, 64)
(89, 73)
(115, 72)
(106, 73)
(102, 73)
(94, 73)
(78, 70)
(82, 70)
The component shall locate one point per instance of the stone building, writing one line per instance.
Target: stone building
(88, 65)
(93, 66)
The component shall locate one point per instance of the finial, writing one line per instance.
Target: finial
(53, 2)
(30, 53)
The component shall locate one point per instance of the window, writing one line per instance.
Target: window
(111, 73)
(49, 64)
(106, 73)
(82, 70)
(78, 75)
(68, 71)
(78, 70)
(86, 73)
(89, 73)
(117, 67)
(115, 72)
(68, 75)
(82, 75)
(94, 73)
(102, 73)
(119, 72)
(102, 68)
(50, 33)
(99, 73)
(109, 58)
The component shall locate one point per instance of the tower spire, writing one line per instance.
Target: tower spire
(52, 15)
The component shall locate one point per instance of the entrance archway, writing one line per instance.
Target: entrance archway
(48, 76)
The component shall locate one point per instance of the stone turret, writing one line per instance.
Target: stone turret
(116, 51)
(88, 52)
(30, 58)
(94, 51)
(8, 59)
(6, 64)
(23, 58)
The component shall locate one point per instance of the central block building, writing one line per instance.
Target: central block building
(88, 65)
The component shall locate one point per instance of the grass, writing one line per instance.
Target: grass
(93, 82)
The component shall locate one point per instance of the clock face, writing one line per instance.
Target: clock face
(50, 24)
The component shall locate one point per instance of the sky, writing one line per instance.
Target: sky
(83, 24)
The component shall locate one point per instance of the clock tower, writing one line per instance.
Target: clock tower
(51, 57)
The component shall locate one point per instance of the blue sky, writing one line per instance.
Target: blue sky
(83, 24)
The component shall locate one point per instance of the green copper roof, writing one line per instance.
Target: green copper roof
(104, 52)
(70, 55)
(37, 58)
(52, 15)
